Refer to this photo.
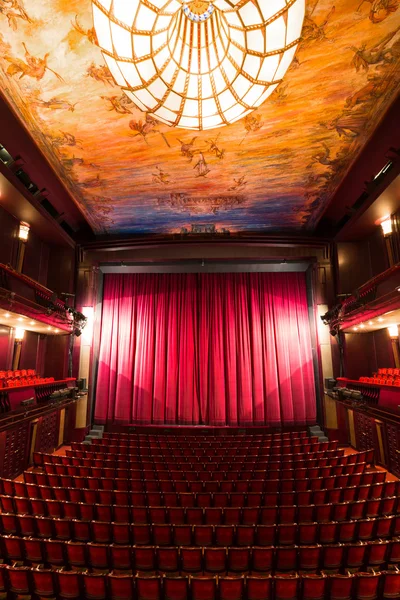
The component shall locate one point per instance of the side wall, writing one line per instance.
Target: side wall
(52, 266)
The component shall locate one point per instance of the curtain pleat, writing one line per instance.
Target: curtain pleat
(215, 349)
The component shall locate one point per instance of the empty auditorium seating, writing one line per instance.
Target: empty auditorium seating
(164, 517)
(22, 377)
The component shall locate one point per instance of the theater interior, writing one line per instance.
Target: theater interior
(199, 300)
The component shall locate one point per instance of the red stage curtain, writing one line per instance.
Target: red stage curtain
(215, 349)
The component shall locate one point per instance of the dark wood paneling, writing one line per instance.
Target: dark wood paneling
(353, 266)
(29, 350)
(61, 270)
(377, 253)
(393, 448)
(5, 348)
(14, 450)
(47, 432)
(8, 241)
(359, 355)
(364, 430)
(335, 350)
(56, 356)
(365, 353)
(383, 349)
(41, 354)
(36, 259)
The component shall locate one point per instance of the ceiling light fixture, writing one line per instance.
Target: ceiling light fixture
(362, 326)
(355, 328)
(370, 322)
(380, 319)
(198, 64)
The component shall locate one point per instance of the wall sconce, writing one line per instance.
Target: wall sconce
(387, 230)
(18, 337)
(23, 232)
(394, 338)
(386, 225)
(19, 334)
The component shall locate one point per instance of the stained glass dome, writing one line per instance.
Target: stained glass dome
(198, 65)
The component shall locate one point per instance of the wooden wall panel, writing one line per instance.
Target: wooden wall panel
(377, 253)
(364, 431)
(393, 447)
(359, 355)
(47, 432)
(14, 450)
(29, 350)
(353, 266)
(383, 349)
(8, 240)
(6, 345)
(56, 356)
(36, 258)
(61, 270)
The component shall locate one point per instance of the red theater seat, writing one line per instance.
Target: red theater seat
(121, 587)
(148, 588)
(215, 560)
(175, 588)
(231, 588)
(203, 588)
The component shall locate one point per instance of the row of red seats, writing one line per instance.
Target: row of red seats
(184, 534)
(21, 381)
(93, 494)
(131, 475)
(384, 376)
(264, 515)
(265, 457)
(214, 447)
(382, 380)
(262, 447)
(92, 467)
(18, 373)
(204, 436)
(110, 496)
(198, 461)
(74, 585)
(221, 560)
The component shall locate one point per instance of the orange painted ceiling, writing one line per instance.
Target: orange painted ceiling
(275, 170)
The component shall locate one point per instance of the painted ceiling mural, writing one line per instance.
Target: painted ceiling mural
(276, 169)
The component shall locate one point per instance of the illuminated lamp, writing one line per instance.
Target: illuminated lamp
(19, 334)
(18, 338)
(386, 224)
(23, 232)
(198, 64)
(393, 331)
